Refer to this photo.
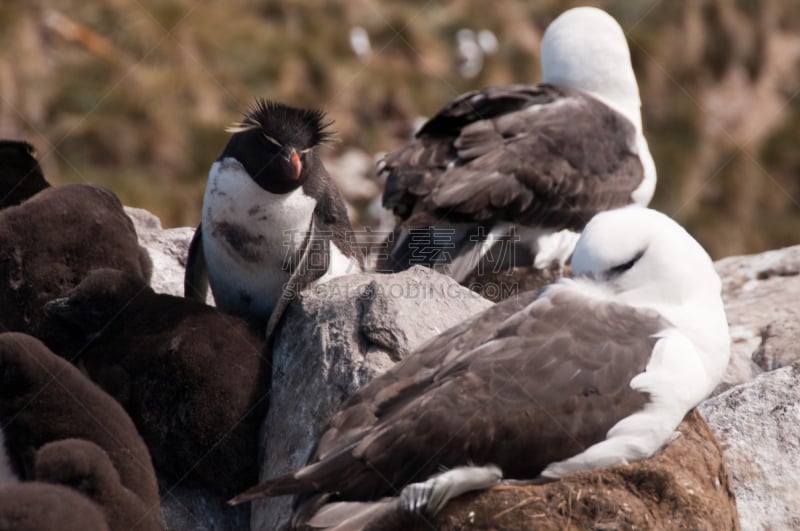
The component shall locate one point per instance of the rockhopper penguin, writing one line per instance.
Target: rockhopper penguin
(273, 222)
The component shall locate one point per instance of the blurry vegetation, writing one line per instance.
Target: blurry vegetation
(134, 94)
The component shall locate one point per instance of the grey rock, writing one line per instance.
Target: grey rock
(761, 293)
(168, 249)
(193, 508)
(779, 344)
(758, 427)
(335, 338)
(143, 220)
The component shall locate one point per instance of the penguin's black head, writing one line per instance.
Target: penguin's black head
(275, 144)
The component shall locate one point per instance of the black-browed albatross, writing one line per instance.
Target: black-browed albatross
(531, 163)
(592, 371)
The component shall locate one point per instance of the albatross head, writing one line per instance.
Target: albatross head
(585, 49)
(641, 257)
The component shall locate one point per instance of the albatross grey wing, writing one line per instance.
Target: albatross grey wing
(546, 384)
(528, 154)
(538, 156)
(363, 410)
(412, 171)
(360, 413)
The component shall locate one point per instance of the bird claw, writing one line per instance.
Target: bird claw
(427, 497)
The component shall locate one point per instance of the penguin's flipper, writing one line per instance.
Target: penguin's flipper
(315, 248)
(195, 280)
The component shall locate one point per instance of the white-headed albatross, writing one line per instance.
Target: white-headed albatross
(592, 371)
(505, 177)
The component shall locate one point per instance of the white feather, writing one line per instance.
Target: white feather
(548, 246)
(585, 49)
(340, 264)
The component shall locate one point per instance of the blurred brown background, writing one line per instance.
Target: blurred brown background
(134, 94)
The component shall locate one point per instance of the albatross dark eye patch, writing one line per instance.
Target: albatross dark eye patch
(618, 270)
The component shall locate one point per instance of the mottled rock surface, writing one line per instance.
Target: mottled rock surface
(334, 339)
(761, 294)
(168, 249)
(758, 426)
(184, 508)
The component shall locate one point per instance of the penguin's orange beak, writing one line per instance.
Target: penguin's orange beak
(297, 164)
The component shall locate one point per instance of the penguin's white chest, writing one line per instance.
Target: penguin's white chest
(250, 238)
